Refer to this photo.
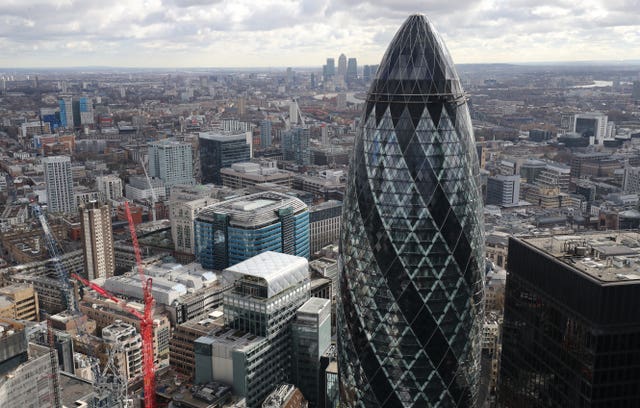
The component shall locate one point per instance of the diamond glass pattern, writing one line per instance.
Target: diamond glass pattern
(410, 296)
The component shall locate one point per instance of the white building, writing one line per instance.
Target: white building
(183, 215)
(110, 187)
(59, 183)
(172, 162)
(592, 124)
(139, 190)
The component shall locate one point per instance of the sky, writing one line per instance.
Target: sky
(297, 33)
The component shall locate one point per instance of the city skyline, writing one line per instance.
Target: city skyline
(202, 33)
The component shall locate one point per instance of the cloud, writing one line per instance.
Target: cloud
(305, 32)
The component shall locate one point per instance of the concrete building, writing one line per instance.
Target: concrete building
(181, 346)
(20, 302)
(183, 215)
(139, 190)
(503, 190)
(237, 229)
(221, 149)
(109, 187)
(97, 240)
(631, 180)
(172, 162)
(126, 344)
(324, 224)
(254, 350)
(571, 321)
(246, 174)
(183, 292)
(44, 279)
(311, 333)
(26, 371)
(59, 184)
(265, 133)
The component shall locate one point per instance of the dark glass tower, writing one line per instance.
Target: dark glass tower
(410, 304)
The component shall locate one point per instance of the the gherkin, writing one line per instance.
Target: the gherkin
(410, 298)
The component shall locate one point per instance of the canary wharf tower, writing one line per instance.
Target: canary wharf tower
(410, 295)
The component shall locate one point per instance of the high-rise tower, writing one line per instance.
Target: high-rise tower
(410, 298)
(59, 182)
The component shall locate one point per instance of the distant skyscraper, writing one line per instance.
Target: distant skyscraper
(410, 301)
(221, 149)
(172, 162)
(97, 240)
(66, 112)
(342, 66)
(58, 180)
(635, 93)
(329, 70)
(265, 133)
(352, 70)
(85, 105)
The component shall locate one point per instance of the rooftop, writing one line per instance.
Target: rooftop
(605, 256)
(278, 271)
(253, 210)
(223, 136)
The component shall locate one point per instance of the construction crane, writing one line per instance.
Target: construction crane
(146, 318)
(154, 199)
(103, 382)
(71, 303)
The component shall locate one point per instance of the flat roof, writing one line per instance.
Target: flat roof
(605, 256)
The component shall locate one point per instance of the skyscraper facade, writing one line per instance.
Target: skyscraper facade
(295, 145)
(66, 112)
(410, 292)
(352, 70)
(59, 182)
(342, 66)
(329, 70)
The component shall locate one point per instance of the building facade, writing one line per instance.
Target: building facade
(109, 187)
(221, 149)
(265, 133)
(410, 306)
(235, 230)
(97, 240)
(172, 162)
(503, 190)
(295, 145)
(324, 224)
(59, 183)
(571, 333)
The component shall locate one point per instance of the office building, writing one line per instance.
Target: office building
(59, 183)
(126, 344)
(171, 162)
(571, 332)
(329, 70)
(237, 229)
(342, 67)
(241, 175)
(592, 126)
(254, 352)
(20, 302)
(631, 180)
(85, 108)
(285, 396)
(635, 93)
(410, 306)
(265, 133)
(183, 215)
(295, 145)
(26, 370)
(66, 112)
(221, 149)
(109, 187)
(324, 224)
(97, 240)
(145, 190)
(503, 190)
(311, 333)
(352, 71)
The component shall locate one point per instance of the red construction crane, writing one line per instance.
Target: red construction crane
(146, 318)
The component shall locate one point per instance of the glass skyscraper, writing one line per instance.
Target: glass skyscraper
(410, 298)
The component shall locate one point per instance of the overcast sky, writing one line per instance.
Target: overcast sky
(270, 33)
